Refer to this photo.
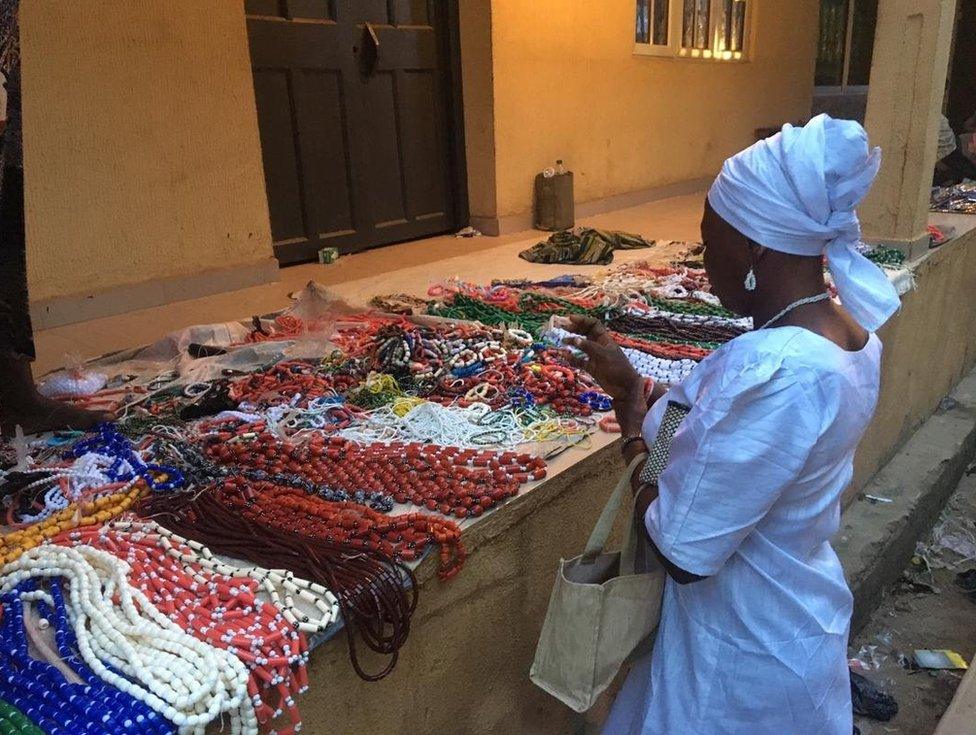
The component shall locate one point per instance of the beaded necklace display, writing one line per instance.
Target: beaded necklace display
(377, 597)
(202, 471)
(285, 381)
(41, 690)
(104, 463)
(400, 537)
(119, 630)
(453, 481)
(660, 325)
(13, 721)
(280, 587)
(86, 513)
(217, 609)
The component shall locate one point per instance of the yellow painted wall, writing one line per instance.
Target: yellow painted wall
(568, 85)
(474, 19)
(142, 155)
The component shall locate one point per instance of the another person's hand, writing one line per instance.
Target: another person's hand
(604, 359)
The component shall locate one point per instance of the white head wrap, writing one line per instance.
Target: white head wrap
(796, 192)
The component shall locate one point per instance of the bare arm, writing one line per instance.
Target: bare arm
(609, 366)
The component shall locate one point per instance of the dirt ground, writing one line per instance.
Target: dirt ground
(925, 609)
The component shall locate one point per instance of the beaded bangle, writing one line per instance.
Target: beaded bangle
(630, 440)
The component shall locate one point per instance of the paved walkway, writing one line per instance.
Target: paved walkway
(408, 267)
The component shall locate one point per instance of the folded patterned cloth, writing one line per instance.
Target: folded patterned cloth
(583, 246)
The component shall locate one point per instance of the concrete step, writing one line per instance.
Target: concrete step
(877, 539)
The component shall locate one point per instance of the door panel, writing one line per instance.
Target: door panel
(412, 13)
(356, 140)
(382, 155)
(364, 11)
(273, 96)
(424, 183)
(325, 155)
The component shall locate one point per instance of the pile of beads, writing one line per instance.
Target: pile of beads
(100, 465)
(56, 690)
(280, 587)
(425, 422)
(661, 325)
(126, 464)
(202, 471)
(596, 401)
(399, 537)
(118, 629)
(452, 481)
(89, 512)
(376, 595)
(287, 381)
(737, 324)
(222, 611)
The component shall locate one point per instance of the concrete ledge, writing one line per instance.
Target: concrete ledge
(83, 306)
(959, 718)
(877, 540)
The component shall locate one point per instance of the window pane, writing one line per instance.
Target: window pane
(661, 15)
(725, 27)
(701, 23)
(642, 34)
(738, 25)
(688, 25)
(862, 41)
(833, 35)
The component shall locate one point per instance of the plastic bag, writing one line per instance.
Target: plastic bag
(869, 701)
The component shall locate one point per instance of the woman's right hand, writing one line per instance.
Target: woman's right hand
(604, 359)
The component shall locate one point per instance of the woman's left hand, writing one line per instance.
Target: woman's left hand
(604, 360)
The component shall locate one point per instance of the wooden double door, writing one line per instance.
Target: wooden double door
(359, 119)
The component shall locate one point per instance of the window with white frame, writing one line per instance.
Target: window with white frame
(846, 43)
(705, 29)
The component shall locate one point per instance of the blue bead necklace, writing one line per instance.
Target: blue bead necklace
(42, 693)
(128, 465)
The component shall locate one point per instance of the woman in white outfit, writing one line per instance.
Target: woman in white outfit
(756, 612)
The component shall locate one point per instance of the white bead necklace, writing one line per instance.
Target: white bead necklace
(666, 372)
(796, 305)
(280, 585)
(188, 681)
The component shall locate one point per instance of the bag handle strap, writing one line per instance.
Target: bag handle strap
(604, 524)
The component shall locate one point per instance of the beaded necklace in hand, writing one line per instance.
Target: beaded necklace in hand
(42, 692)
(377, 597)
(119, 630)
(216, 609)
(460, 482)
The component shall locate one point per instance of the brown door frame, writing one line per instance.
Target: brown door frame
(454, 90)
(444, 16)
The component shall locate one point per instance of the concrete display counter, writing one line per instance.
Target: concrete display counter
(465, 667)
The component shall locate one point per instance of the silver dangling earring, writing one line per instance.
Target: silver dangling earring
(750, 283)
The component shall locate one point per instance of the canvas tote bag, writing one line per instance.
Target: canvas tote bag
(600, 610)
